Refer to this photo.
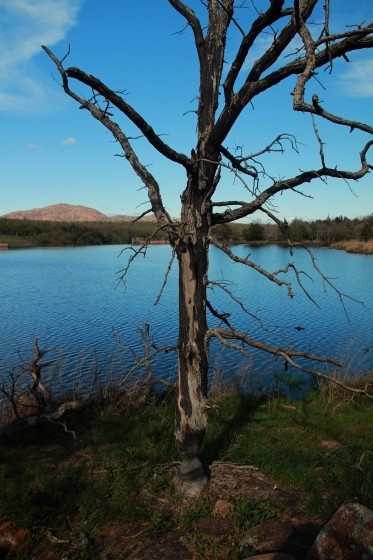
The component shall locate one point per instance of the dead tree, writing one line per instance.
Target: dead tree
(298, 49)
(21, 397)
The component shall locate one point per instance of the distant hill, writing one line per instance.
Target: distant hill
(66, 213)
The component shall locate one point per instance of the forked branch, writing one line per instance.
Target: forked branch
(223, 285)
(292, 183)
(228, 338)
(311, 63)
(142, 249)
(103, 117)
(251, 264)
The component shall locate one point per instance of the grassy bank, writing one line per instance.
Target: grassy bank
(355, 246)
(119, 469)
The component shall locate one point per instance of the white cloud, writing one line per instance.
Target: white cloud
(69, 141)
(358, 80)
(32, 146)
(26, 25)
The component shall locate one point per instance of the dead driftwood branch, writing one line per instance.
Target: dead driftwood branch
(54, 417)
(29, 402)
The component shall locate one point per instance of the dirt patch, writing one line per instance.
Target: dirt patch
(230, 482)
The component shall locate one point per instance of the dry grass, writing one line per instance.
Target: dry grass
(355, 246)
(332, 392)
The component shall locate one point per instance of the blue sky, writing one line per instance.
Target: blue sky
(52, 152)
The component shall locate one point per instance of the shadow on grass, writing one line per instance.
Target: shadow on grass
(226, 423)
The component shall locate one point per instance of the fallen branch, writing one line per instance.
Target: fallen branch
(54, 417)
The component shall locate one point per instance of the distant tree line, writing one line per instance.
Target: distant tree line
(323, 232)
(63, 234)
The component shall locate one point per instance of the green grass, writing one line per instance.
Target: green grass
(289, 442)
(120, 467)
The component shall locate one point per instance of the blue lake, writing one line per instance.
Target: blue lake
(70, 299)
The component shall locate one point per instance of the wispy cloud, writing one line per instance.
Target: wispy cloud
(25, 26)
(32, 146)
(69, 141)
(358, 80)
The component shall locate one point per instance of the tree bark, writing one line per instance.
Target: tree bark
(191, 414)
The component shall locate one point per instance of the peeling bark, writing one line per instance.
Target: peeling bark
(191, 414)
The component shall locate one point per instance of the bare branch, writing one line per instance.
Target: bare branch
(112, 97)
(12, 394)
(257, 84)
(286, 353)
(150, 350)
(118, 102)
(308, 72)
(282, 226)
(166, 277)
(223, 285)
(273, 13)
(35, 367)
(240, 162)
(193, 21)
(276, 145)
(223, 317)
(229, 203)
(145, 213)
(225, 337)
(237, 163)
(150, 182)
(321, 143)
(53, 417)
(290, 184)
(136, 252)
(328, 282)
(359, 32)
(247, 262)
(316, 109)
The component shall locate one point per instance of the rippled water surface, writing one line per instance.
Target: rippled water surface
(71, 301)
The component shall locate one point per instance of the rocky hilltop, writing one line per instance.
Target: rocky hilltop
(65, 213)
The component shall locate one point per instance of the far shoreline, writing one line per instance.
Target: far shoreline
(353, 246)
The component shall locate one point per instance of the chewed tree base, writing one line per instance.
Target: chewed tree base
(191, 478)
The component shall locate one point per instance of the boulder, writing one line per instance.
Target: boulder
(348, 535)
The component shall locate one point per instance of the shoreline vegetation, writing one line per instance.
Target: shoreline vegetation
(100, 483)
(354, 246)
(352, 236)
(97, 481)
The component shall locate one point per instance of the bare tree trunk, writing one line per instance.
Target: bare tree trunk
(222, 99)
(191, 414)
